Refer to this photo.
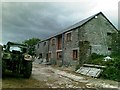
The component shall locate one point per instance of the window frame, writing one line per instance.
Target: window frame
(68, 36)
(44, 44)
(40, 56)
(38, 45)
(58, 57)
(109, 49)
(109, 33)
(75, 54)
(53, 41)
(49, 55)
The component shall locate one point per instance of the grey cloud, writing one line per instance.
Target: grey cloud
(26, 20)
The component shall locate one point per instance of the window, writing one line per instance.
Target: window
(59, 43)
(59, 55)
(68, 37)
(108, 33)
(44, 43)
(38, 45)
(75, 54)
(15, 48)
(109, 49)
(40, 56)
(53, 41)
(49, 56)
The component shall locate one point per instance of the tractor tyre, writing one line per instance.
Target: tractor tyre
(28, 69)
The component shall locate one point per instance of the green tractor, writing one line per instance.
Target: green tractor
(15, 58)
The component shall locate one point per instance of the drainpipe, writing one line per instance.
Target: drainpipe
(48, 49)
(62, 48)
(79, 45)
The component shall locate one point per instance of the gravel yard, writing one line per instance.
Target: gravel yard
(45, 76)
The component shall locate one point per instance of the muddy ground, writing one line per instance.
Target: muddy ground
(46, 76)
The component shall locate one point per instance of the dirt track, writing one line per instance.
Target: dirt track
(44, 76)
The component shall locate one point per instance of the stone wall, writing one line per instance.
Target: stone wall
(69, 46)
(97, 32)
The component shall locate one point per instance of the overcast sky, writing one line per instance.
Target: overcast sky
(24, 20)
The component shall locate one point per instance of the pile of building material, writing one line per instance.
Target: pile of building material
(91, 70)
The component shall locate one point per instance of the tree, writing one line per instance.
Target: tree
(116, 44)
(32, 41)
(31, 45)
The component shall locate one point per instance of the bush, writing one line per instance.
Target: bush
(96, 59)
(112, 71)
(95, 56)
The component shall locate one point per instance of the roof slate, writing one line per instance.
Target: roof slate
(78, 25)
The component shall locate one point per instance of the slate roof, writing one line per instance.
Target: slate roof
(79, 24)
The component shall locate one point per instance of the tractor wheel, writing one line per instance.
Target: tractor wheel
(28, 69)
(3, 66)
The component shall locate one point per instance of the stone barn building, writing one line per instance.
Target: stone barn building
(75, 44)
